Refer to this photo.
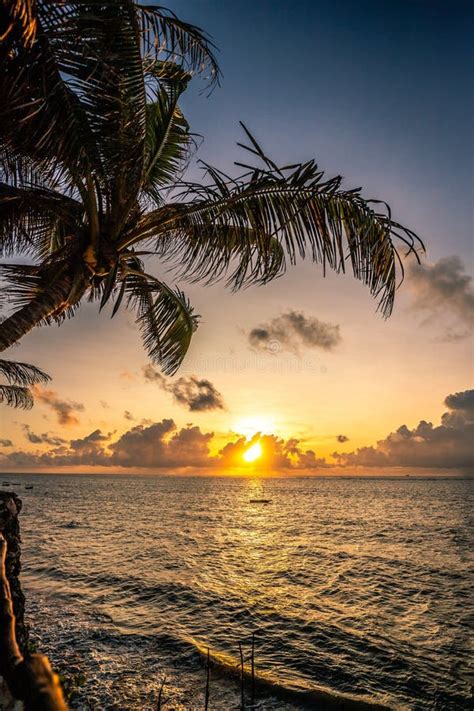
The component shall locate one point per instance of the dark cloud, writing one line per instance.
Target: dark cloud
(197, 395)
(446, 446)
(342, 438)
(86, 451)
(6, 443)
(128, 415)
(461, 409)
(161, 445)
(293, 331)
(43, 438)
(444, 286)
(65, 410)
(89, 450)
(92, 438)
(463, 401)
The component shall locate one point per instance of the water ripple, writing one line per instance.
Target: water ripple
(353, 587)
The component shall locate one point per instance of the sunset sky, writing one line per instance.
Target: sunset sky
(379, 92)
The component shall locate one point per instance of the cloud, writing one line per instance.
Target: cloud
(443, 287)
(197, 395)
(461, 406)
(128, 415)
(6, 443)
(89, 451)
(65, 410)
(446, 446)
(342, 438)
(451, 335)
(44, 438)
(127, 375)
(463, 402)
(92, 438)
(162, 445)
(293, 331)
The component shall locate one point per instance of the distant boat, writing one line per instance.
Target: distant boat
(28, 486)
(262, 499)
(6, 483)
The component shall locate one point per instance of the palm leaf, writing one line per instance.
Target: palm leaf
(167, 140)
(165, 36)
(35, 220)
(165, 318)
(97, 46)
(42, 120)
(22, 373)
(16, 396)
(293, 206)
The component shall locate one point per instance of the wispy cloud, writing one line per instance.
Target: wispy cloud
(293, 331)
(444, 287)
(65, 410)
(44, 438)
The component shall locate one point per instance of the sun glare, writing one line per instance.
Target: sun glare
(253, 452)
(248, 426)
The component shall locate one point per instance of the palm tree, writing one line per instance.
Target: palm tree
(93, 149)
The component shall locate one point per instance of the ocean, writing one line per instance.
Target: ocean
(358, 587)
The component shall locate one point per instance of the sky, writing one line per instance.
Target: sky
(379, 91)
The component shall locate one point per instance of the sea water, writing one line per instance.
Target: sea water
(359, 587)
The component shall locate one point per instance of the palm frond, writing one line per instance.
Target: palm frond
(294, 206)
(98, 48)
(16, 396)
(165, 319)
(35, 220)
(42, 295)
(167, 141)
(166, 37)
(22, 373)
(42, 121)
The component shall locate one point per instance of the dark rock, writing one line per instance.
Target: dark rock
(10, 507)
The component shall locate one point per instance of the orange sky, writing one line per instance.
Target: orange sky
(378, 375)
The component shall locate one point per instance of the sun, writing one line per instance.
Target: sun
(254, 452)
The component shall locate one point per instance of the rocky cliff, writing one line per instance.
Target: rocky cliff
(10, 507)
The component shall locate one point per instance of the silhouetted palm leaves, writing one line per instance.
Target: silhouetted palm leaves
(19, 376)
(93, 146)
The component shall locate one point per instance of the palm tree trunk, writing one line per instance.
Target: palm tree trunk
(22, 321)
